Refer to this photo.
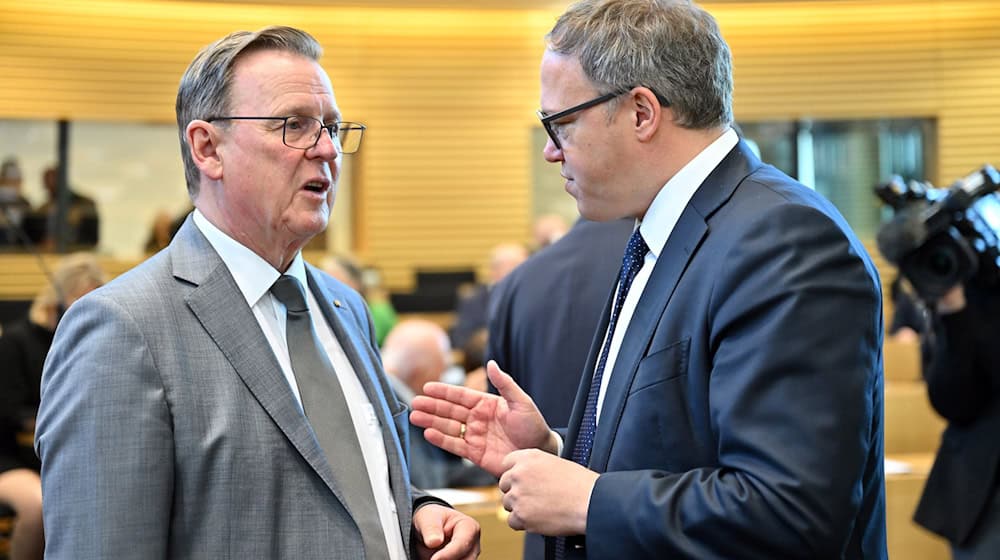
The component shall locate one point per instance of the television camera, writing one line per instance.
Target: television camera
(941, 237)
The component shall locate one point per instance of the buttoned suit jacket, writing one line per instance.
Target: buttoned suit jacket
(743, 417)
(167, 429)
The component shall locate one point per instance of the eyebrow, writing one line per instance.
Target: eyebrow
(301, 111)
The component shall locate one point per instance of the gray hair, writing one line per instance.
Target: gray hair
(673, 47)
(204, 90)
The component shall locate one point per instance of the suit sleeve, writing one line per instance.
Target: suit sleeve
(795, 405)
(105, 439)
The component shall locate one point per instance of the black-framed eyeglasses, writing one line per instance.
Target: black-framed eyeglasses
(303, 133)
(553, 129)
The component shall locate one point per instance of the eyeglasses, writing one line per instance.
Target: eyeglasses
(555, 130)
(303, 133)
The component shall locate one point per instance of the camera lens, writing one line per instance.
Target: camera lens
(942, 263)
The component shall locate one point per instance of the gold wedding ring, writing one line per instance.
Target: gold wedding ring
(461, 431)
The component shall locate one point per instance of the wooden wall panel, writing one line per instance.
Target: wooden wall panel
(449, 95)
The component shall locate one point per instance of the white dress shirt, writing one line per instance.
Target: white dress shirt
(656, 227)
(254, 277)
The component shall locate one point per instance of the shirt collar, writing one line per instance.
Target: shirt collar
(253, 275)
(674, 196)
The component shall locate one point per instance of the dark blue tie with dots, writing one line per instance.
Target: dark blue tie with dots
(635, 254)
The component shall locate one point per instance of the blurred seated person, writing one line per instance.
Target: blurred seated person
(23, 347)
(164, 228)
(910, 318)
(348, 271)
(472, 310)
(82, 221)
(416, 352)
(13, 206)
(547, 229)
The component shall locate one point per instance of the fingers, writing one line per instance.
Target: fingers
(462, 396)
(505, 384)
(451, 444)
(462, 542)
(449, 423)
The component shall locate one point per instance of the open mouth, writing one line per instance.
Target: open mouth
(317, 186)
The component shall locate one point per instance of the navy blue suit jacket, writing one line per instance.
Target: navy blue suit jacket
(743, 418)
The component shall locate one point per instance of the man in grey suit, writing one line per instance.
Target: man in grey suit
(731, 405)
(175, 420)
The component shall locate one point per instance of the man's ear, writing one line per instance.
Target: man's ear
(203, 141)
(649, 114)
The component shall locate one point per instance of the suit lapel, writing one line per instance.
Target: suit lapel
(366, 365)
(669, 268)
(217, 303)
(680, 248)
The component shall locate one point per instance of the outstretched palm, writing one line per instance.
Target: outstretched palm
(495, 425)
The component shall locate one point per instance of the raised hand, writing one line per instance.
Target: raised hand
(479, 426)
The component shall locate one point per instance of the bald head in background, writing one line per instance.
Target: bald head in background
(547, 229)
(504, 258)
(416, 351)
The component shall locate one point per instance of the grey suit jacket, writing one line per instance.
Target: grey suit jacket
(167, 430)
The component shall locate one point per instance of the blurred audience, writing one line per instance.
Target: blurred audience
(366, 282)
(472, 310)
(82, 221)
(165, 226)
(13, 206)
(547, 229)
(415, 352)
(23, 348)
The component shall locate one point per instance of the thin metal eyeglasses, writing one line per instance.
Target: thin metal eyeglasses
(554, 130)
(303, 133)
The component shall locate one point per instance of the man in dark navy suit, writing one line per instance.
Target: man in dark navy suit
(732, 407)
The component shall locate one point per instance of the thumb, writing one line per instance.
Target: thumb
(505, 384)
(430, 528)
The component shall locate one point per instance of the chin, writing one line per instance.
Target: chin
(311, 225)
(596, 212)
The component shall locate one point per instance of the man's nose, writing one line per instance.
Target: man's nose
(551, 152)
(327, 147)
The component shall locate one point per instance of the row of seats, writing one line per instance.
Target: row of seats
(912, 435)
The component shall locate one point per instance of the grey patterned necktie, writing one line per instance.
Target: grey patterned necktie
(329, 416)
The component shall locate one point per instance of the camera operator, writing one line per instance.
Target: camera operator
(961, 500)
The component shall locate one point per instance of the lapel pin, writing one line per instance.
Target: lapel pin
(336, 303)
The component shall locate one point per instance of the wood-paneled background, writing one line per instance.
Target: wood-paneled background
(449, 94)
